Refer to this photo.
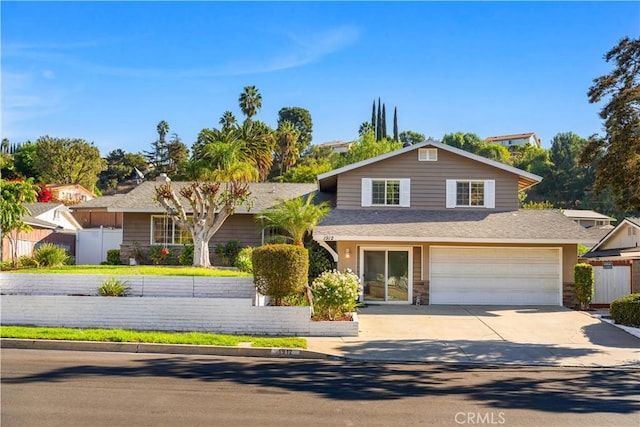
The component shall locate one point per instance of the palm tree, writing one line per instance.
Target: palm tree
(163, 129)
(297, 217)
(250, 101)
(258, 142)
(287, 152)
(228, 120)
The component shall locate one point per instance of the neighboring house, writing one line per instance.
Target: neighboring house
(587, 218)
(519, 139)
(616, 261)
(597, 224)
(70, 193)
(337, 146)
(439, 224)
(50, 222)
(145, 223)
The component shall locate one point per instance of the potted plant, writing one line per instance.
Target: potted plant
(136, 256)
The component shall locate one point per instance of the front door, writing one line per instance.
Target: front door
(385, 275)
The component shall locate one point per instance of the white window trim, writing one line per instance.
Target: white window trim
(489, 193)
(427, 154)
(173, 232)
(367, 192)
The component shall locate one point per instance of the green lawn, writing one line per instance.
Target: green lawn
(137, 270)
(120, 335)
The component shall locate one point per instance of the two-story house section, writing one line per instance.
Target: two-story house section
(439, 224)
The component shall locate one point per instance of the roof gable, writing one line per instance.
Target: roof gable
(632, 222)
(525, 179)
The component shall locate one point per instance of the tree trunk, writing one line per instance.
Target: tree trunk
(201, 251)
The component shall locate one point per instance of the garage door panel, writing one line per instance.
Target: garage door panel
(484, 275)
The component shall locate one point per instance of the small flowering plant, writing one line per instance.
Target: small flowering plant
(335, 294)
(161, 255)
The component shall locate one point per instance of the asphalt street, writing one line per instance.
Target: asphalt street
(68, 388)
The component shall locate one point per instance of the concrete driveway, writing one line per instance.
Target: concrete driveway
(490, 335)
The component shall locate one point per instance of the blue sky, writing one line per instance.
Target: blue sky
(109, 72)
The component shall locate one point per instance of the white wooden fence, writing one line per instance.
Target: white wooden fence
(92, 244)
(611, 282)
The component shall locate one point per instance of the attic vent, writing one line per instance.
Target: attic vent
(428, 154)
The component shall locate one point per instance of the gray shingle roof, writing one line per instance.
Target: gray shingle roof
(99, 202)
(265, 195)
(542, 226)
(38, 208)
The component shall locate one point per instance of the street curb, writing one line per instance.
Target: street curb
(129, 347)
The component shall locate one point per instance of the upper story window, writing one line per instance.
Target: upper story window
(165, 231)
(385, 192)
(428, 154)
(470, 193)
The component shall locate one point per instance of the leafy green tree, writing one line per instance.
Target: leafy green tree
(24, 160)
(120, 168)
(296, 217)
(14, 194)
(465, 141)
(306, 173)
(68, 161)
(211, 204)
(569, 178)
(367, 147)
(301, 120)
(495, 152)
(616, 155)
(365, 127)
(250, 101)
(411, 137)
(177, 155)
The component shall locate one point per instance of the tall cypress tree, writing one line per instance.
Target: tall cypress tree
(379, 126)
(384, 121)
(395, 123)
(373, 116)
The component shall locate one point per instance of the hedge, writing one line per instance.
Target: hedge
(626, 310)
(280, 270)
(583, 279)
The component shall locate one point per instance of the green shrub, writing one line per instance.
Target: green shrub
(113, 257)
(228, 252)
(243, 260)
(26, 261)
(335, 294)
(50, 255)
(319, 261)
(112, 287)
(161, 255)
(280, 270)
(626, 310)
(186, 257)
(583, 279)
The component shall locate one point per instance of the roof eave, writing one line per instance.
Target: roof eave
(418, 239)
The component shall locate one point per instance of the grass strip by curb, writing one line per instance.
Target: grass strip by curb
(121, 335)
(125, 270)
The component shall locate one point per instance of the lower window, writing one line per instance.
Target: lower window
(165, 231)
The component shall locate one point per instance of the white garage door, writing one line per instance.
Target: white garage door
(495, 276)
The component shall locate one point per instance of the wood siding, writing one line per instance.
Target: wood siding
(428, 180)
(137, 228)
(95, 219)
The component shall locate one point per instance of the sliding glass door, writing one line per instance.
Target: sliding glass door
(385, 274)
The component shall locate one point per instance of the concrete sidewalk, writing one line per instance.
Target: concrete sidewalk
(484, 335)
(459, 335)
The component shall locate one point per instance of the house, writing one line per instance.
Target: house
(50, 222)
(515, 140)
(337, 146)
(587, 218)
(436, 224)
(597, 224)
(70, 193)
(616, 262)
(145, 223)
